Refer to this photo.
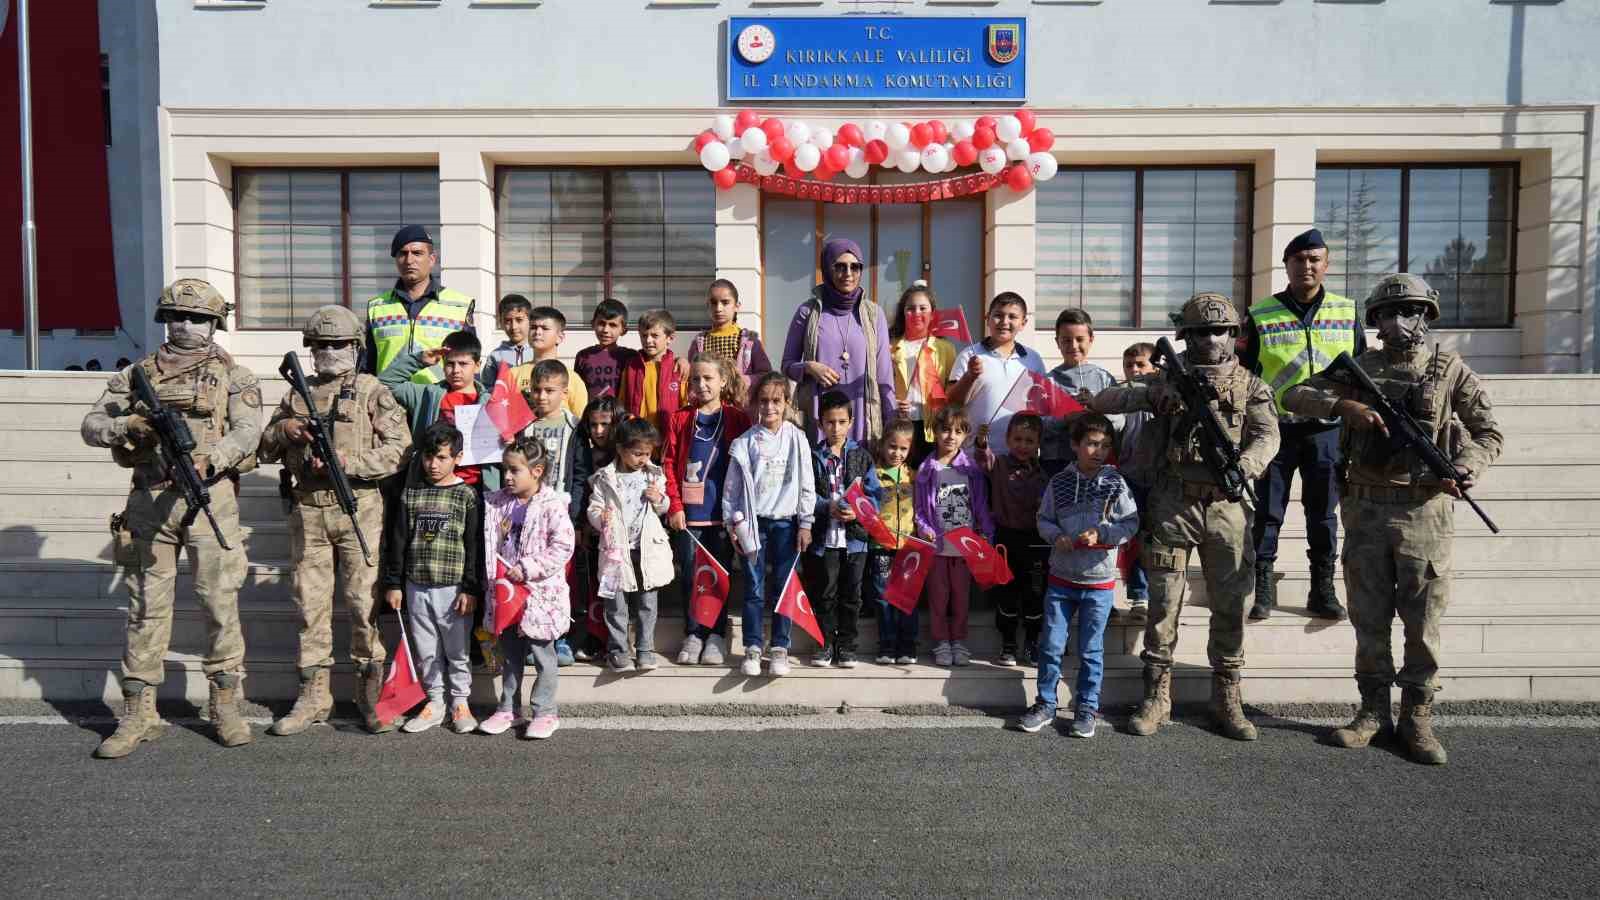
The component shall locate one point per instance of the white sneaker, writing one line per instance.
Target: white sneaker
(690, 654)
(779, 666)
(752, 661)
(713, 654)
(431, 715)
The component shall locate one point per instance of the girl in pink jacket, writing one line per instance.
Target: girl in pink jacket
(529, 525)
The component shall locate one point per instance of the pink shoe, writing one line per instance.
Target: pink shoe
(541, 727)
(496, 724)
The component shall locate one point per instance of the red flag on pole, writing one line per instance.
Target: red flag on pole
(867, 515)
(708, 588)
(506, 407)
(401, 690)
(796, 606)
(988, 565)
(509, 599)
(909, 572)
(951, 323)
(1036, 393)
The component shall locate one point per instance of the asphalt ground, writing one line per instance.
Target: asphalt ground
(939, 807)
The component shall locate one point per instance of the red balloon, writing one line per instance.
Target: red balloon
(876, 152)
(1026, 117)
(849, 135)
(988, 122)
(965, 153)
(725, 178)
(791, 170)
(921, 134)
(781, 149)
(824, 172)
(1018, 178)
(940, 133)
(702, 139)
(745, 120)
(1041, 139)
(837, 157)
(983, 137)
(774, 129)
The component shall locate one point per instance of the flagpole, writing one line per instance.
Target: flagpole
(410, 664)
(30, 239)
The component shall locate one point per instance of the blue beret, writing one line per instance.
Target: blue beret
(410, 234)
(1310, 240)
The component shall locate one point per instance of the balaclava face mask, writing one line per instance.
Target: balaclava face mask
(330, 362)
(1402, 327)
(1209, 349)
(187, 335)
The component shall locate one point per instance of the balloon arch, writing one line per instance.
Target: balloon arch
(1011, 149)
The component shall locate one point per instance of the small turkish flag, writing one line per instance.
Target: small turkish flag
(401, 690)
(510, 599)
(988, 565)
(951, 323)
(709, 587)
(867, 515)
(506, 407)
(909, 572)
(796, 606)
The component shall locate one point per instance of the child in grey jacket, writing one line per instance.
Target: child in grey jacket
(1086, 512)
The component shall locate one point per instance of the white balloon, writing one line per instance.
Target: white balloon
(822, 137)
(908, 159)
(950, 158)
(1018, 150)
(876, 129)
(961, 130)
(857, 167)
(799, 133)
(897, 136)
(935, 157)
(736, 149)
(714, 156)
(753, 139)
(806, 157)
(723, 126)
(764, 163)
(991, 159)
(1008, 129)
(1042, 165)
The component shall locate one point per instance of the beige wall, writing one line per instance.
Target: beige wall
(1555, 286)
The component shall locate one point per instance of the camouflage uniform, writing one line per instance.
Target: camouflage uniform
(371, 434)
(221, 402)
(1399, 523)
(1187, 512)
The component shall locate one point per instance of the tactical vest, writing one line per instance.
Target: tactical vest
(1420, 386)
(394, 331)
(1292, 351)
(1233, 399)
(199, 394)
(348, 411)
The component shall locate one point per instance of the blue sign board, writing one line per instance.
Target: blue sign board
(877, 58)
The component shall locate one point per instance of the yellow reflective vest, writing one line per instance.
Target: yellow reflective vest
(1292, 351)
(394, 331)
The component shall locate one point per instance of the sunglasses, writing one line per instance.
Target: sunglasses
(192, 317)
(1403, 311)
(840, 268)
(335, 345)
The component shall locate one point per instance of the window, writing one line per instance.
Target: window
(1453, 225)
(569, 238)
(1129, 246)
(310, 237)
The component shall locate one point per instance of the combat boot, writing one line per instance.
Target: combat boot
(1374, 718)
(1323, 602)
(1227, 710)
(232, 730)
(367, 694)
(314, 704)
(138, 722)
(1416, 727)
(1266, 591)
(1156, 708)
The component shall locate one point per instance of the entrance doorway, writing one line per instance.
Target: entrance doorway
(939, 242)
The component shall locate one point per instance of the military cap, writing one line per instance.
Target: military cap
(410, 234)
(1306, 240)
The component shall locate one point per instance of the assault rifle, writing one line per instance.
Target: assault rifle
(322, 444)
(176, 444)
(1218, 451)
(1407, 429)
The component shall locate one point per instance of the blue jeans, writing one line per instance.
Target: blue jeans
(1138, 582)
(1091, 607)
(897, 630)
(764, 575)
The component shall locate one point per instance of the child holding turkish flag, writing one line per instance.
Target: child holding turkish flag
(837, 559)
(897, 630)
(952, 492)
(922, 363)
(1086, 512)
(1016, 484)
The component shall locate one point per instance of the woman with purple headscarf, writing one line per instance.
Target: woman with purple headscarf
(839, 341)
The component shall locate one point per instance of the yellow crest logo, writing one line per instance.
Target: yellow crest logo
(1005, 43)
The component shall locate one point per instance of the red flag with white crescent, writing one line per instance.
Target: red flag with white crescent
(506, 407)
(909, 572)
(867, 515)
(708, 591)
(795, 605)
(401, 689)
(988, 565)
(951, 323)
(509, 599)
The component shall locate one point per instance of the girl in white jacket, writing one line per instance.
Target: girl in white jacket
(626, 503)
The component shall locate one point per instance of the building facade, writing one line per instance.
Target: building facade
(273, 148)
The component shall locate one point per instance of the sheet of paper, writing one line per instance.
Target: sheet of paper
(481, 439)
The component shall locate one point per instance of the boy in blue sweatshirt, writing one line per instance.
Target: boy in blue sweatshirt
(1086, 512)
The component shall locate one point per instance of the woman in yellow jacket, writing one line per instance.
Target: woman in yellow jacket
(922, 364)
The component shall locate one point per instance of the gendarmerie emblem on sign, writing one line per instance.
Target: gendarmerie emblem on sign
(1005, 42)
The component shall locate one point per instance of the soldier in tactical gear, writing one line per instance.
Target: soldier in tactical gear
(1399, 519)
(1189, 512)
(369, 432)
(220, 402)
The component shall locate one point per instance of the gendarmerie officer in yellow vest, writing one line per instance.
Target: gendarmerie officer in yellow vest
(1289, 337)
(418, 312)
